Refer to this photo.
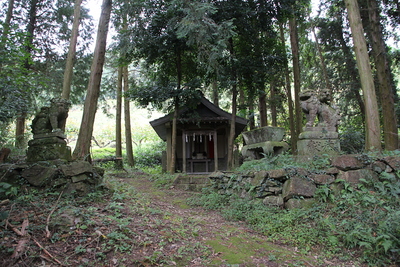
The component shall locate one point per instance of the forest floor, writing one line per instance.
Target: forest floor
(135, 224)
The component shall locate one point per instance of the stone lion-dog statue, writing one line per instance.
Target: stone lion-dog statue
(53, 118)
(318, 106)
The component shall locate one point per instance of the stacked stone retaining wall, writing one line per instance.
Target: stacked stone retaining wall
(296, 187)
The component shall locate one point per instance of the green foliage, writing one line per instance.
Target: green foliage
(149, 154)
(7, 190)
(351, 141)
(359, 222)
(285, 160)
(209, 200)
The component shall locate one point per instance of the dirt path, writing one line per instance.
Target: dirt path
(231, 243)
(134, 224)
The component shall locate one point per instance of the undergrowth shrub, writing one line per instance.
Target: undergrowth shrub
(361, 222)
(285, 160)
(149, 154)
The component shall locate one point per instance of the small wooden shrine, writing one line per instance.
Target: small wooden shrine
(202, 137)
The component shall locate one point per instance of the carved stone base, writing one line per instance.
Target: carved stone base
(256, 151)
(318, 144)
(48, 149)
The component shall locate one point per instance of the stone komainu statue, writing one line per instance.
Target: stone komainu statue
(319, 106)
(53, 118)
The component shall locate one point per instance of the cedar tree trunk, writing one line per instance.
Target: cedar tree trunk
(82, 148)
(372, 125)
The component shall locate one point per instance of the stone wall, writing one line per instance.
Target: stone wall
(77, 177)
(296, 187)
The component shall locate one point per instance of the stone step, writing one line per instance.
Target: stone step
(191, 182)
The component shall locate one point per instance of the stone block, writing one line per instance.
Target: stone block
(393, 162)
(51, 151)
(76, 168)
(353, 176)
(263, 134)
(323, 179)
(278, 174)
(347, 162)
(259, 150)
(38, 175)
(297, 186)
(258, 178)
(275, 190)
(378, 166)
(295, 203)
(276, 201)
(332, 171)
(271, 183)
(307, 147)
(79, 178)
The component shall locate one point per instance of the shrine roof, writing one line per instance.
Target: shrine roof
(206, 112)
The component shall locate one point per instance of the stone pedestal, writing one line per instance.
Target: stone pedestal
(315, 141)
(264, 141)
(48, 146)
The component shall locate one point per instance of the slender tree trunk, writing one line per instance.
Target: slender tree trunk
(30, 29)
(274, 114)
(82, 149)
(215, 94)
(71, 52)
(20, 131)
(293, 133)
(352, 71)
(372, 131)
(252, 121)
(6, 25)
(127, 115)
(262, 106)
(231, 138)
(172, 162)
(296, 75)
(118, 128)
(384, 84)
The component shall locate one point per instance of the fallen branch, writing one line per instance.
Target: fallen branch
(19, 250)
(48, 253)
(48, 234)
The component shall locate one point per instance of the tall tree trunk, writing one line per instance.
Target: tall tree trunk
(30, 29)
(20, 131)
(71, 52)
(293, 133)
(383, 71)
(82, 148)
(118, 119)
(262, 106)
(252, 121)
(231, 139)
(215, 94)
(172, 161)
(351, 70)
(294, 43)
(6, 25)
(372, 131)
(127, 115)
(274, 114)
